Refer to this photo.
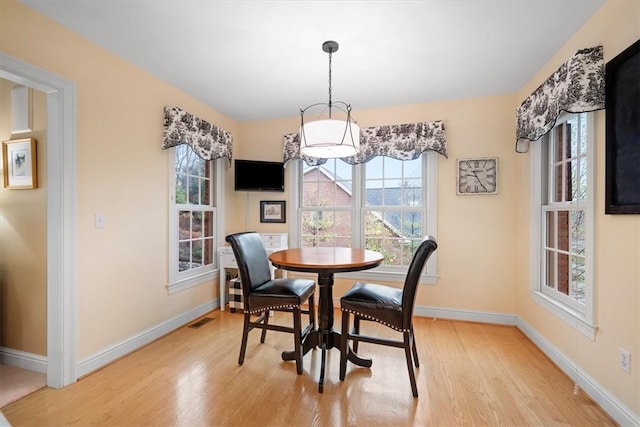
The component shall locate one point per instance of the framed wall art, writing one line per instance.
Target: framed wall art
(273, 211)
(622, 170)
(19, 164)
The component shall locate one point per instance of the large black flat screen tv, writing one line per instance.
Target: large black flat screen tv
(254, 175)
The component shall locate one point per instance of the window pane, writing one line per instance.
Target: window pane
(196, 255)
(563, 274)
(557, 184)
(408, 249)
(411, 224)
(322, 186)
(205, 194)
(577, 232)
(208, 224)
(551, 230)
(184, 256)
(375, 226)
(194, 164)
(568, 181)
(575, 180)
(412, 192)
(207, 246)
(551, 269)
(194, 190)
(558, 151)
(326, 228)
(573, 129)
(184, 225)
(196, 224)
(313, 223)
(181, 189)
(413, 168)
(583, 133)
(203, 166)
(563, 230)
(310, 193)
(581, 185)
(577, 278)
(181, 154)
(374, 168)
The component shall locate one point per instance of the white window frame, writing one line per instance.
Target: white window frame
(583, 320)
(180, 281)
(381, 273)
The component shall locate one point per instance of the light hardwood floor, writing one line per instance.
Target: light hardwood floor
(470, 374)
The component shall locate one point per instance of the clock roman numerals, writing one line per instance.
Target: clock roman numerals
(477, 176)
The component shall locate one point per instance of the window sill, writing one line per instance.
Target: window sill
(191, 282)
(386, 276)
(569, 316)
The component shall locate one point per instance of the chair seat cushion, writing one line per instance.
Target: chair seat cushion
(377, 302)
(281, 293)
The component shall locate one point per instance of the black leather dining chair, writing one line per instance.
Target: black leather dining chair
(261, 294)
(392, 307)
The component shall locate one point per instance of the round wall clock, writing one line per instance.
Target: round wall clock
(477, 176)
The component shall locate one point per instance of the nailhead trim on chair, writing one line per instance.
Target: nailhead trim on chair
(377, 320)
(274, 307)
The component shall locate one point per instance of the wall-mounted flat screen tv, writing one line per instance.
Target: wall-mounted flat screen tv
(255, 175)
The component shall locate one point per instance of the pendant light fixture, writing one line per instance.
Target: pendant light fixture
(329, 138)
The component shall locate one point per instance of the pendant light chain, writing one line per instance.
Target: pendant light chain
(330, 52)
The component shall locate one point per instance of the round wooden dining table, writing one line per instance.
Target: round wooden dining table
(325, 262)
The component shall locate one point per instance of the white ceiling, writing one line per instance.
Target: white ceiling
(257, 60)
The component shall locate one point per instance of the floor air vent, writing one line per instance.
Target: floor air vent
(201, 322)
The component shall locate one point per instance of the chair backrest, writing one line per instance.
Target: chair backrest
(420, 257)
(252, 260)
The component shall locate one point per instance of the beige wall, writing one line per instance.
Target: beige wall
(483, 253)
(121, 270)
(617, 246)
(23, 240)
(474, 231)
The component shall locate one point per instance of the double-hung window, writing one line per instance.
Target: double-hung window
(192, 218)
(562, 209)
(386, 205)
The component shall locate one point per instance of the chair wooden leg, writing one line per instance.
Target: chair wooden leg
(416, 362)
(297, 338)
(356, 330)
(407, 352)
(312, 312)
(245, 335)
(344, 344)
(263, 336)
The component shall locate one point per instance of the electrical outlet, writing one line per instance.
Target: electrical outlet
(100, 220)
(625, 360)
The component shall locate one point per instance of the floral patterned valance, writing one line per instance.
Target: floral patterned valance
(402, 142)
(576, 87)
(207, 141)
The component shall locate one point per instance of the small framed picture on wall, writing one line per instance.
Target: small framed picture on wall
(273, 211)
(19, 163)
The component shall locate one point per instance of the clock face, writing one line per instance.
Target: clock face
(477, 176)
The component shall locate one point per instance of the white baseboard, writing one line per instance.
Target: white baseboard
(467, 315)
(132, 344)
(24, 360)
(609, 403)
